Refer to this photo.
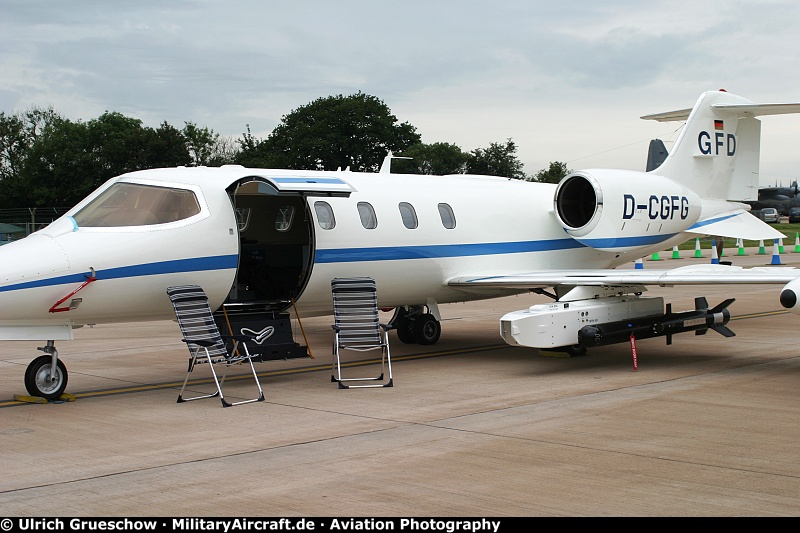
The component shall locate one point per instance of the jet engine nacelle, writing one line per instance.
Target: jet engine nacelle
(617, 210)
(790, 296)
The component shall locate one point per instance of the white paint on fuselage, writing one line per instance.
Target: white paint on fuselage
(502, 226)
(492, 214)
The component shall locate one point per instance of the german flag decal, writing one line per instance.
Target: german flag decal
(718, 125)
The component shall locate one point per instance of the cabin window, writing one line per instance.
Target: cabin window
(367, 214)
(283, 220)
(133, 204)
(408, 214)
(324, 215)
(447, 215)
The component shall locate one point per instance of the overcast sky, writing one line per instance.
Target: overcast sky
(566, 80)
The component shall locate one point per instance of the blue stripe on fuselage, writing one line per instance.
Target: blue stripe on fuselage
(294, 180)
(219, 262)
(344, 255)
(622, 242)
(394, 253)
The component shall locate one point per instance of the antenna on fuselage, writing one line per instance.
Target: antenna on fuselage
(386, 166)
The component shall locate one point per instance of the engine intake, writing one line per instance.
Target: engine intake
(577, 201)
(619, 210)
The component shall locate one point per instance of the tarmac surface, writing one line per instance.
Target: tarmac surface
(709, 426)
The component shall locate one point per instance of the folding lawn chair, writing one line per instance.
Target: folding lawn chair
(205, 343)
(357, 328)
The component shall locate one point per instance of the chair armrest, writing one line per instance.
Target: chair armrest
(204, 343)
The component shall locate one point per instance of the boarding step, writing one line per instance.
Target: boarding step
(273, 339)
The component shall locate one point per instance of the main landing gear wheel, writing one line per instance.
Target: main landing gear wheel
(405, 330)
(39, 381)
(426, 329)
(415, 326)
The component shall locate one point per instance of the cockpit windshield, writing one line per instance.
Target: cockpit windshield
(133, 204)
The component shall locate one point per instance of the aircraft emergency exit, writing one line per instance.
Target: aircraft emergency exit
(273, 240)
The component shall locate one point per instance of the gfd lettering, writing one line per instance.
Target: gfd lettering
(721, 142)
(657, 207)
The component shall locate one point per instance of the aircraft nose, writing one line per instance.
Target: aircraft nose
(30, 259)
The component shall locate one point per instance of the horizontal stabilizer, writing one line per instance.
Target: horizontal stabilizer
(669, 116)
(717, 151)
(742, 110)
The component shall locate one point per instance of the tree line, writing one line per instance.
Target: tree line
(49, 160)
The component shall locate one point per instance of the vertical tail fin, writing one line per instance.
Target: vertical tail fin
(656, 154)
(717, 153)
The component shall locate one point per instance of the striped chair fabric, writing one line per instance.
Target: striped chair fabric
(205, 343)
(357, 327)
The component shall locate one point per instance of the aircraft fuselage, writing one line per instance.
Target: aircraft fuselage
(246, 242)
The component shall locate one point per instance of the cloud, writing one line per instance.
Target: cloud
(466, 72)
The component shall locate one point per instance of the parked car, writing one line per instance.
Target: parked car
(794, 215)
(770, 215)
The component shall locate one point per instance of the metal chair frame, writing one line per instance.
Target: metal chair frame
(357, 327)
(205, 342)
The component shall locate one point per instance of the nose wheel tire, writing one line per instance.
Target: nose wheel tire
(39, 381)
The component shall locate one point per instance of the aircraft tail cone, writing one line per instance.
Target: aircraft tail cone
(797, 243)
(697, 251)
(761, 249)
(776, 257)
(639, 264)
(676, 254)
(714, 256)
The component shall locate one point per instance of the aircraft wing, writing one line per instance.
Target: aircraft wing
(704, 274)
(736, 223)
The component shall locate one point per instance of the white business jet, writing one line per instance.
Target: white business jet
(272, 240)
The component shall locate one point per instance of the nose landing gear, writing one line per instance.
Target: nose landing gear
(46, 376)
